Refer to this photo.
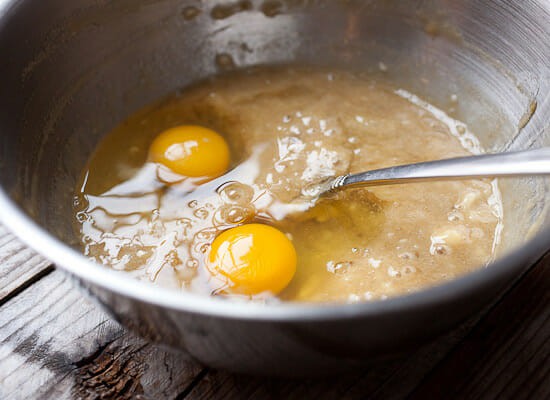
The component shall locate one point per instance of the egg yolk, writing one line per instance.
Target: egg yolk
(192, 151)
(253, 258)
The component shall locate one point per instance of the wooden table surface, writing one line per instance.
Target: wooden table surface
(56, 344)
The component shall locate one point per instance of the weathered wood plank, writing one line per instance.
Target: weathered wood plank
(19, 265)
(509, 342)
(56, 344)
(507, 355)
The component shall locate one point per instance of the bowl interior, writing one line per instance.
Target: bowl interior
(85, 65)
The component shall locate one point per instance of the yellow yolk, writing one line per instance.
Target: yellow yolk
(253, 258)
(192, 151)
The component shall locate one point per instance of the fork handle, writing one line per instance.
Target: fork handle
(528, 162)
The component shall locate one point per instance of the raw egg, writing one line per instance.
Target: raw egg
(192, 151)
(253, 258)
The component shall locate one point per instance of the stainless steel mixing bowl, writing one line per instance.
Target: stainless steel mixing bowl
(72, 69)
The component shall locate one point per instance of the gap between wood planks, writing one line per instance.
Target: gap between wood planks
(20, 266)
(200, 376)
(26, 284)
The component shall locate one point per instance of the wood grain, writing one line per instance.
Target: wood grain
(56, 344)
(19, 265)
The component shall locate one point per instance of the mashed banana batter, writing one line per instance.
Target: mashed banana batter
(288, 128)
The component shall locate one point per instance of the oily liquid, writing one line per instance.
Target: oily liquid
(287, 129)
